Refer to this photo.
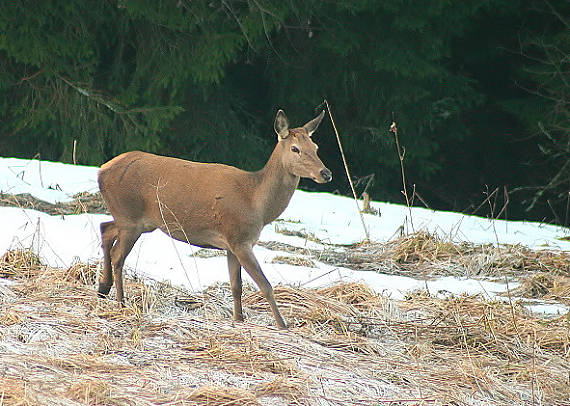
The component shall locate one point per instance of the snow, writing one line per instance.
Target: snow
(63, 240)
(334, 219)
(49, 181)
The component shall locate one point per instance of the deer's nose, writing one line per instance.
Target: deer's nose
(326, 174)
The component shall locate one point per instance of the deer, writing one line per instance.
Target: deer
(208, 205)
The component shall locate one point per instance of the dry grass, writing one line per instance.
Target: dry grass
(500, 347)
(61, 345)
(428, 255)
(209, 253)
(82, 203)
(215, 395)
(545, 286)
(291, 260)
(18, 263)
(308, 236)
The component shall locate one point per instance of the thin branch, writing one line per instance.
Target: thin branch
(26, 78)
(553, 182)
(347, 171)
(401, 155)
(489, 196)
(557, 14)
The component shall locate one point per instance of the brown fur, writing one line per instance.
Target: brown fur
(204, 204)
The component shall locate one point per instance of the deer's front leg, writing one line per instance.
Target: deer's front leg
(245, 257)
(235, 281)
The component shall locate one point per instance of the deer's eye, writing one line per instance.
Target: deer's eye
(295, 149)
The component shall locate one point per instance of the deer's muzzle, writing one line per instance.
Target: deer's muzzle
(326, 174)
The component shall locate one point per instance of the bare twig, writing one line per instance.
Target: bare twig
(39, 158)
(74, 152)
(421, 198)
(556, 218)
(567, 209)
(505, 204)
(401, 154)
(492, 212)
(489, 196)
(160, 208)
(347, 171)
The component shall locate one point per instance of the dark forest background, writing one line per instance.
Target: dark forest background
(480, 90)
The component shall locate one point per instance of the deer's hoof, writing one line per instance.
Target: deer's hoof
(103, 290)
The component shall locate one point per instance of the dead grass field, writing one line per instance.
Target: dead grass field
(61, 345)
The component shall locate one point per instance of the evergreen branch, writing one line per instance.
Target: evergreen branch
(240, 25)
(90, 94)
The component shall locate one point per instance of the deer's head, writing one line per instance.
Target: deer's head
(299, 152)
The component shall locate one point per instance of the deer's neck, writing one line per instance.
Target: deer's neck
(276, 187)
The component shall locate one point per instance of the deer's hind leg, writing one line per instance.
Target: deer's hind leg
(108, 237)
(126, 239)
(117, 244)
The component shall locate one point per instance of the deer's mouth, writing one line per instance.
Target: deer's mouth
(322, 178)
(325, 176)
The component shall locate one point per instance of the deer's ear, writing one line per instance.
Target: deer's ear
(312, 125)
(281, 125)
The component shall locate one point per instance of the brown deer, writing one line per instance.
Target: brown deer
(205, 204)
